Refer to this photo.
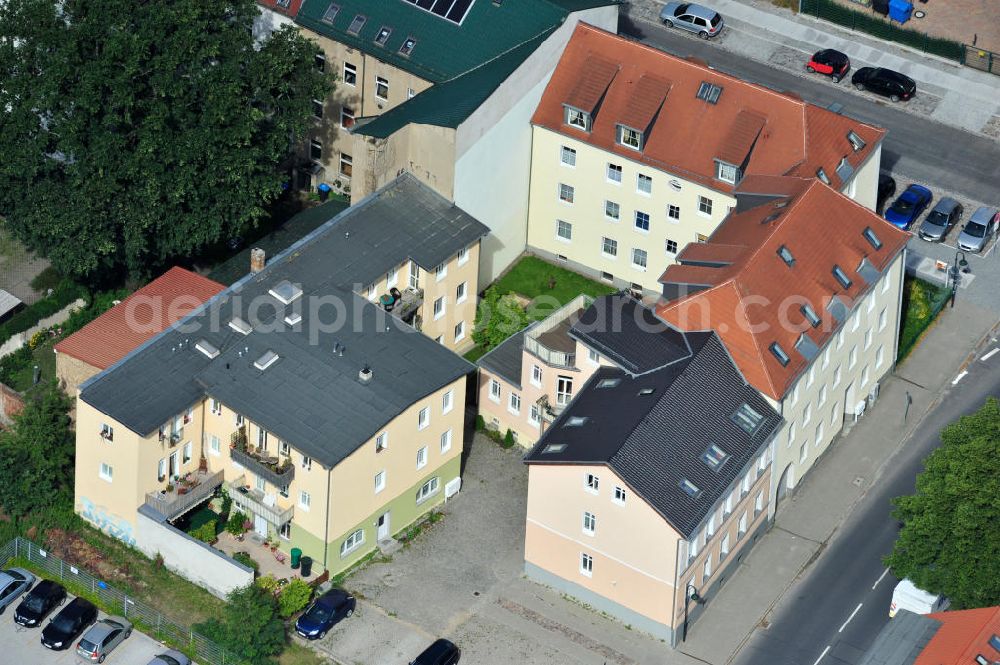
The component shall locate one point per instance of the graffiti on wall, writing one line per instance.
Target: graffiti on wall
(108, 523)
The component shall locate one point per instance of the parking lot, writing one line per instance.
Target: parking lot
(462, 579)
(23, 645)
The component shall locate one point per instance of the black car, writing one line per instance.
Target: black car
(829, 62)
(71, 621)
(442, 652)
(886, 189)
(884, 82)
(45, 597)
(324, 613)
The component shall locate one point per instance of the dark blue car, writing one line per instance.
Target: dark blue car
(324, 613)
(905, 209)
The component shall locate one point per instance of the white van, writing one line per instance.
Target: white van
(906, 596)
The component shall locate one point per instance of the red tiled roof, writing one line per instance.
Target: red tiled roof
(150, 310)
(754, 299)
(687, 133)
(963, 635)
(291, 10)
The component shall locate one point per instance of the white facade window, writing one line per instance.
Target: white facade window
(592, 483)
(494, 390)
(742, 526)
(260, 484)
(350, 74)
(724, 547)
(536, 375)
(352, 542)
(586, 564)
(795, 394)
(445, 441)
(834, 414)
(379, 481)
(214, 445)
(840, 338)
(758, 503)
(514, 405)
(614, 173)
(609, 247)
(285, 531)
(422, 457)
(186, 456)
(414, 275)
(694, 546)
(441, 271)
(710, 527)
(427, 489)
(460, 331)
(239, 420)
(855, 321)
(107, 472)
(707, 570)
(447, 401)
(381, 88)
(670, 246)
(461, 292)
(566, 193)
(564, 230)
(381, 442)
(107, 432)
(304, 500)
(439, 307)
(619, 495)
(564, 390)
(567, 156)
(705, 205)
(535, 415)
(644, 184)
(612, 211)
(307, 462)
(639, 258)
(284, 448)
(423, 418)
(594, 357)
(745, 484)
(463, 256)
(630, 138)
(578, 119)
(726, 172)
(346, 117)
(216, 407)
(589, 523)
(392, 277)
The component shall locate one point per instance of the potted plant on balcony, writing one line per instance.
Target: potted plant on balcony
(170, 487)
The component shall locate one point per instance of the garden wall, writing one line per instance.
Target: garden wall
(17, 340)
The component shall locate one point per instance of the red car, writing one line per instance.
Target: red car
(831, 63)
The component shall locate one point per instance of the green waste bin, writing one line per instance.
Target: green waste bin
(296, 555)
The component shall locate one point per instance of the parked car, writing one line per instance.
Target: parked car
(941, 219)
(885, 82)
(886, 188)
(324, 613)
(694, 18)
(102, 638)
(170, 658)
(68, 624)
(442, 652)
(978, 230)
(45, 597)
(13, 582)
(905, 209)
(829, 62)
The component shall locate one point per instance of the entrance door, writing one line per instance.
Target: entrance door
(260, 525)
(383, 526)
(850, 401)
(173, 465)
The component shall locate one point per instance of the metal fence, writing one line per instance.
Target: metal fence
(977, 58)
(877, 26)
(114, 601)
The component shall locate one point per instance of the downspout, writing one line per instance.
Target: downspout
(899, 309)
(673, 601)
(326, 527)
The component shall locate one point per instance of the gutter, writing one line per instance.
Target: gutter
(326, 527)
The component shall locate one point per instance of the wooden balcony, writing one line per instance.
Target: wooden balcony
(185, 495)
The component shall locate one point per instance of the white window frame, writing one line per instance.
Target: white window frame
(447, 402)
(214, 445)
(615, 218)
(381, 81)
(726, 172)
(421, 457)
(563, 225)
(352, 542)
(424, 418)
(445, 441)
(536, 375)
(605, 242)
(440, 306)
(459, 331)
(379, 481)
(566, 193)
(463, 256)
(620, 495)
(305, 500)
(705, 202)
(441, 271)
(392, 277)
(586, 564)
(428, 489)
(618, 169)
(106, 472)
(589, 523)
(645, 257)
(514, 403)
(641, 178)
(592, 483)
(350, 76)
(382, 442)
(495, 390)
(535, 415)
(565, 151)
(461, 292)
(563, 396)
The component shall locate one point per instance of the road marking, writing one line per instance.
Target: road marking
(822, 654)
(959, 377)
(884, 573)
(989, 355)
(850, 617)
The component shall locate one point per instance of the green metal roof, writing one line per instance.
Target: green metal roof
(448, 104)
(443, 49)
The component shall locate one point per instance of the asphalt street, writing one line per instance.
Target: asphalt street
(920, 149)
(833, 613)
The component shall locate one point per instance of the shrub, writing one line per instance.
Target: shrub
(246, 560)
(268, 583)
(206, 532)
(235, 523)
(480, 423)
(497, 318)
(249, 625)
(508, 439)
(293, 597)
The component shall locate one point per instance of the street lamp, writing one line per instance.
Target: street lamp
(690, 593)
(960, 265)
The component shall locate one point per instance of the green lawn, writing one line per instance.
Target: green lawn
(45, 358)
(922, 302)
(532, 277)
(475, 353)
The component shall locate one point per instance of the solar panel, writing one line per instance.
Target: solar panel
(450, 10)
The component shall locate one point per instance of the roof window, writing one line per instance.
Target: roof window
(383, 35)
(554, 448)
(207, 349)
(576, 118)
(407, 46)
(608, 383)
(240, 326)
(330, 13)
(821, 174)
(779, 353)
(786, 256)
(575, 421)
(709, 92)
(293, 319)
(995, 642)
(872, 239)
(646, 391)
(689, 488)
(286, 292)
(811, 316)
(266, 360)
(630, 138)
(856, 141)
(357, 24)
(747, 417)
(714, 457)
(842, 277)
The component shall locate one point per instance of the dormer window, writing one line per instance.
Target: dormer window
(726, 172)
(856, 141)
(872, 239)
(357, 24)
(841, 277)
(630, 138)
(577, 118)
(407, 47)
(330, 13)
(811, 316)
(786, 256)
(383, 35)
(779, 353)
(823, 177)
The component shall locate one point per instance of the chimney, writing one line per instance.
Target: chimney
(365, 375)
(257, 259)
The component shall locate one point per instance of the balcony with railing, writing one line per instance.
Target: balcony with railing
(252, 501)
(403, 304)
(550, 342)
(277, 470)
(184, 493)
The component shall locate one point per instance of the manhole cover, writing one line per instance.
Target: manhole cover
(919, 14)
(857, 481)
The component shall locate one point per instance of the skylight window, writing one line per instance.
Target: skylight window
(383, 35)
(779, 353)
(554, 448)
(841, 277)
(856, 141)
(709, 92)
(786, 256)
(240, 326)
(330, 13)
(575, 421)
(689, 488)
(811, 316)
(357, 24)
(714, 457)
(286, 292)
(206, 348)
(746, 417)
(293, 319)
(608, 383)
(872, 239)
(450, 10)
(407, 47)
(266, 360)
(821, 174)
(646, 391)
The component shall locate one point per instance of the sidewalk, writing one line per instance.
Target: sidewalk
(947, 92)
(806, 522)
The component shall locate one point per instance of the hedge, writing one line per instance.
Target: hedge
(64, 294)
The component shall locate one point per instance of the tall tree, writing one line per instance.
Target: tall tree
(949, 543)
(136, 132)
(249, 625)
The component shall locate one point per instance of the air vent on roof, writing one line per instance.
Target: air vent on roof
(365, 375)
(407, 46)
(747, 418)
(646, 391)
(689, 488)
(709, 92)
(844, 169)
(383, 35)
(265, 360)
(867, 271)
(786, 256)
(780, 203)
(779, 353)
(714, 457)
(286, 292)
(811, 316)
(872, 239)
(206, 348)
(293, 319)
(355, 27)
(821, 174)
(841, 277)
(330, 13)
(805, 346)
(856, 141)
(575, 421)
(608, 383)
(240, 326)
(554, 448)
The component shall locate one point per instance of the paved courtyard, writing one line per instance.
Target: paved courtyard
(462, 579)
(962, 21)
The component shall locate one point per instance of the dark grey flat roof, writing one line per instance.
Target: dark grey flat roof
(656, 440)
(505, 359)
(901, 640)
(310, 396)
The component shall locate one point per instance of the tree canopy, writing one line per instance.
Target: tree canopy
(497, 318)
(949, 543)
(134, 133)
(249, 626)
